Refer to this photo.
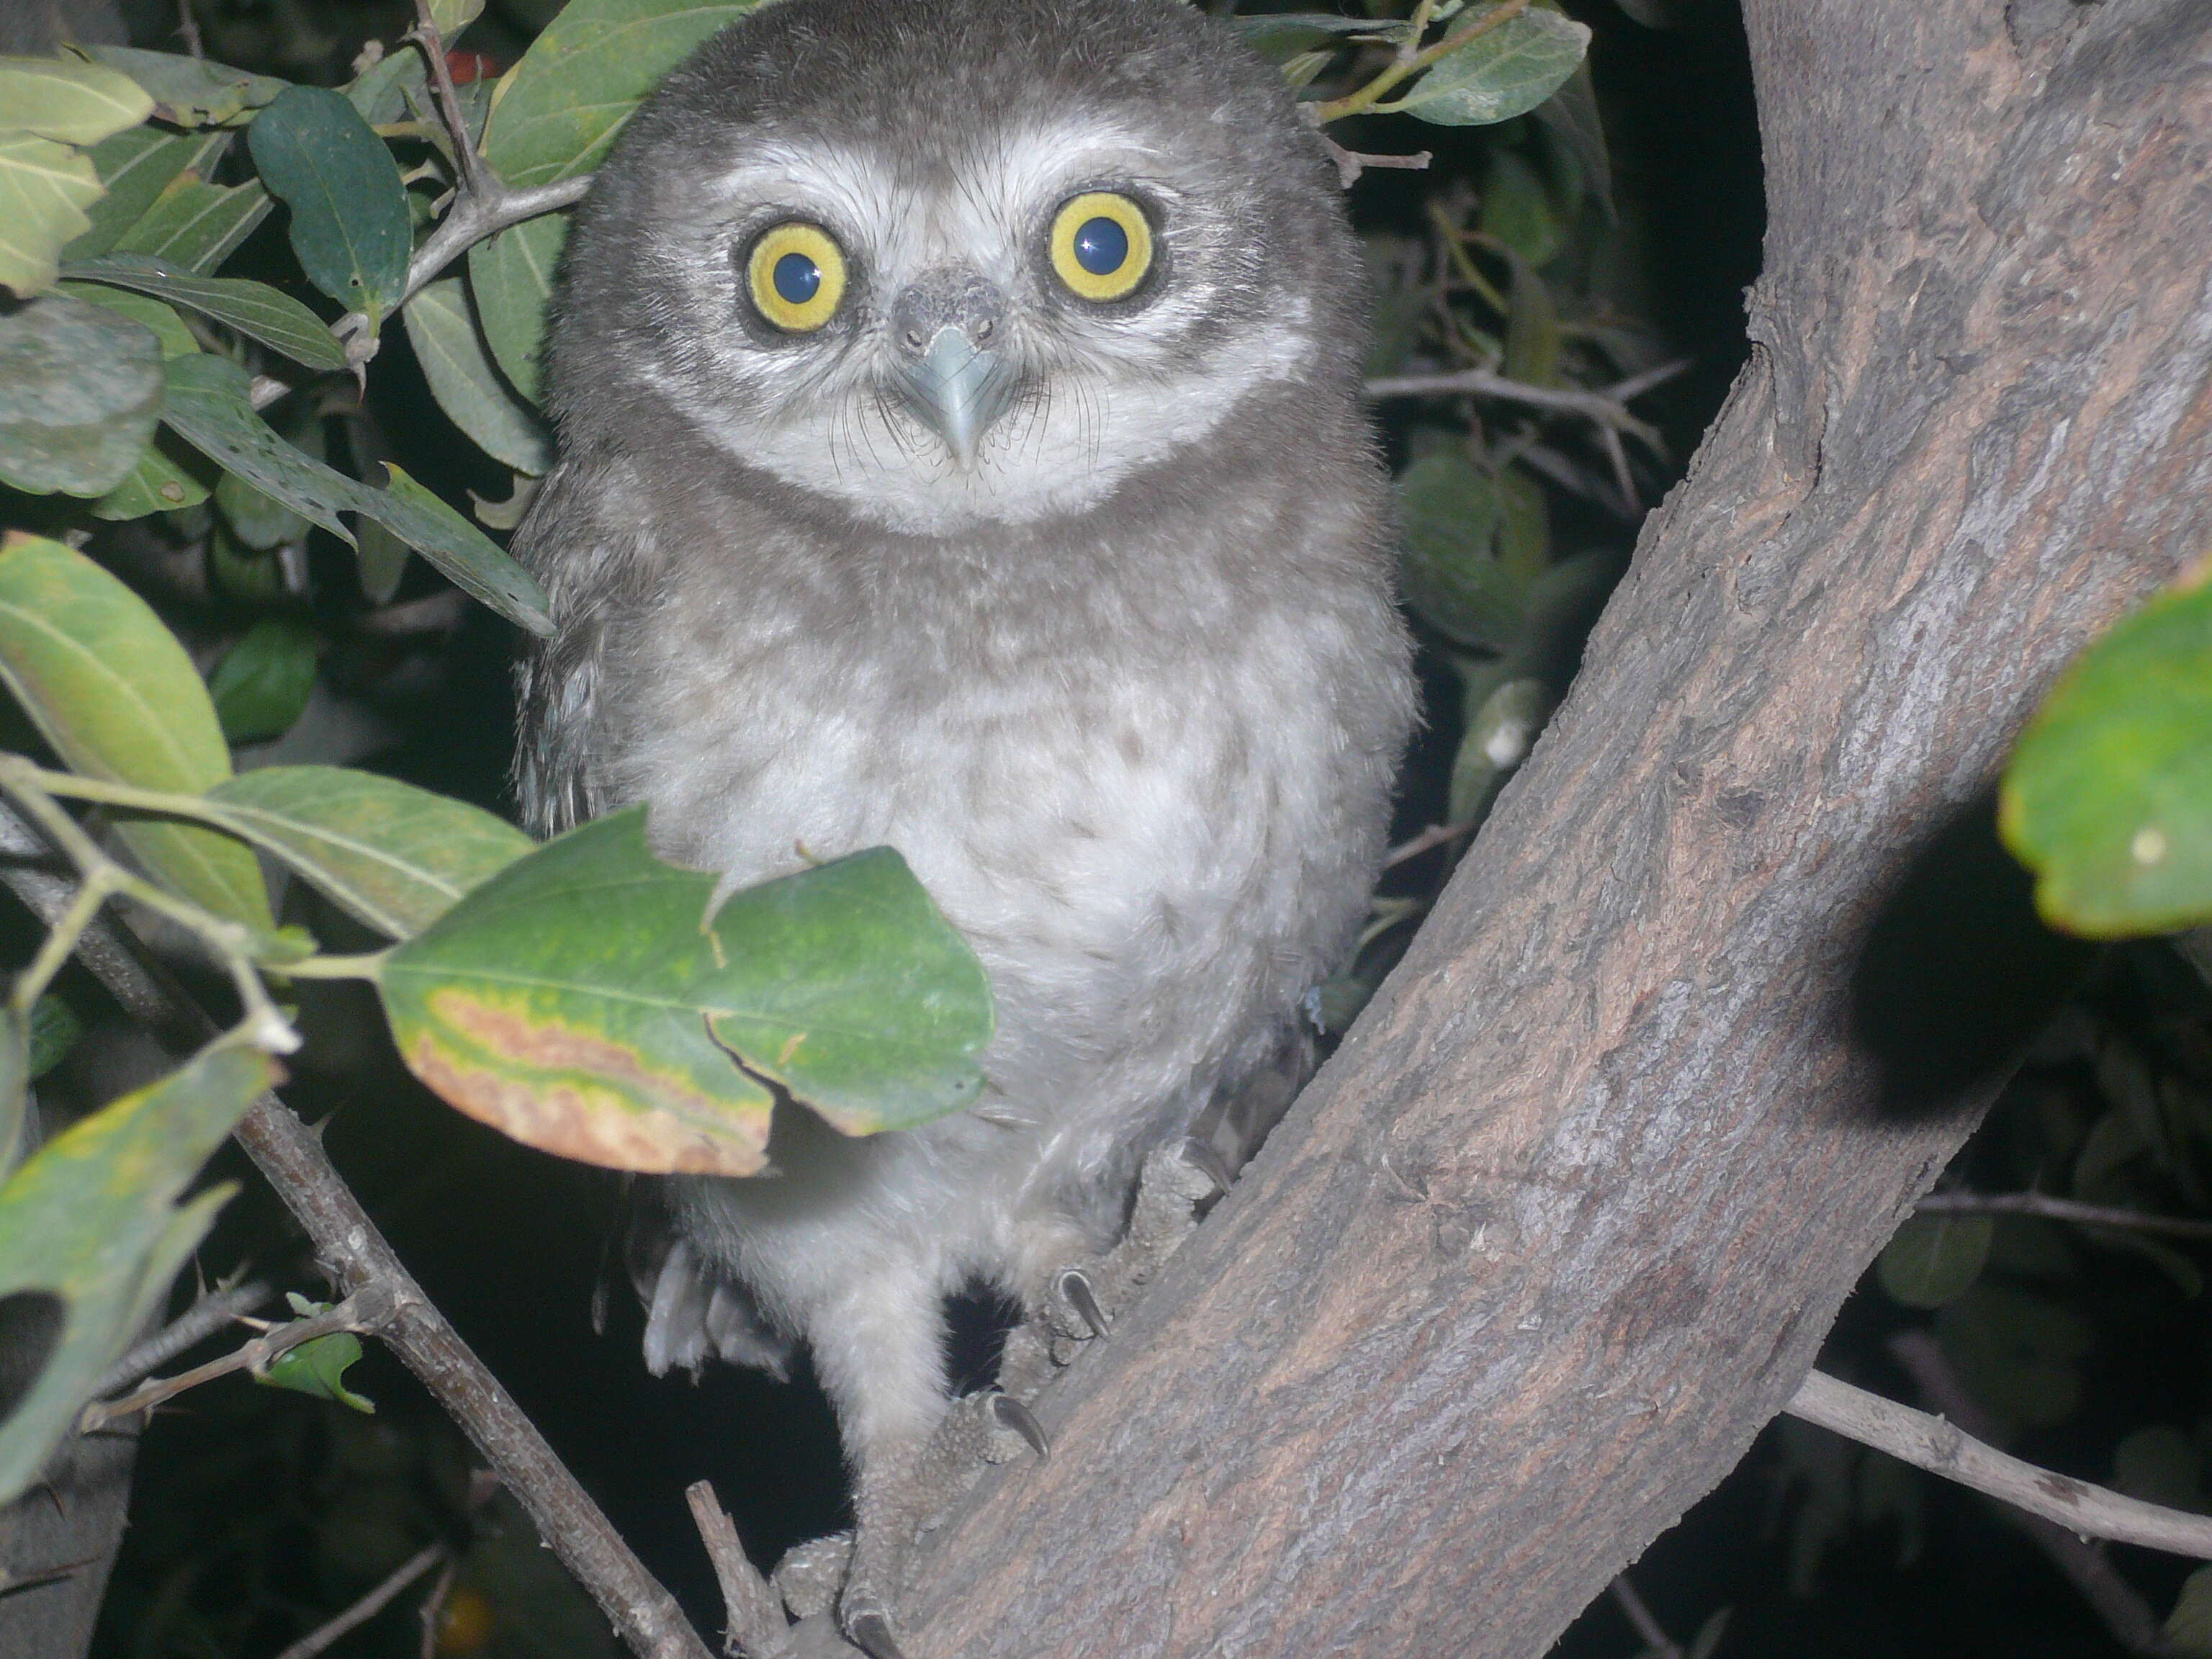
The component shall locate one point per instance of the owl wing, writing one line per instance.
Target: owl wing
(586, 540)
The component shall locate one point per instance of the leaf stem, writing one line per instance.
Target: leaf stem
(1404, 67)
(369, 965)
(233, 944)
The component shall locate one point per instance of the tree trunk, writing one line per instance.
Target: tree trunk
(1717, 992)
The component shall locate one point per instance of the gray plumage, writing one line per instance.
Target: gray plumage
(1085, 606)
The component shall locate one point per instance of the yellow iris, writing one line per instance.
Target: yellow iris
(797, 276)
(1102, 244)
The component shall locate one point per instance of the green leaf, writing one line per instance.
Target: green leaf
(1934, 1259)
(197, 225)
(1533, 341)
(1281, 37)
(470, 559)
(2108, 796)
(68, 100)
(381, 558)
(845, 985)
(1571, 117)
(349, 226)
(260, 687)
(511, 276)
(211, 407)
(54, 1032)
(79, 390)
(1518, 210)
(161, 482)
(2160, 1464)
(191, 92)
(14, 1099)
(442, 326)
(565, 1002)
(208, 406)
(568, 1001)
(1501, 73)
(557, 111)
(452, 16)
(135, 167)
(316, 1366)
(91, 1236)
(149, 313)
(2188, 1626)
(254, 309)
(45, 188)
(394, 856)
(2020, 1352)
(259, 523)
(1452, 578)
(114, 693)
(1501, 727)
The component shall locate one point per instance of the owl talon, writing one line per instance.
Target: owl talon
(871, 1632)
(808, 1577)
(1203, 1157)
(1075, 1287)
(1012, 1414)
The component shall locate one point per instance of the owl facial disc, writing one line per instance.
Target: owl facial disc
(950, 373)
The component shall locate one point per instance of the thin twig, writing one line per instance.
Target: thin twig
(1942, 1448)
(1435, 835)
(433, 1608)
(753, 1623)
(1351, 163)
(431, 43)
(1404, 67)
(188, 28)
(368, 1310)
(210, 1314)
(2122, 1608)
(2063, 1209)
(1639, 1615)
(316, 1640)
(355, 1253)
(1604, 406)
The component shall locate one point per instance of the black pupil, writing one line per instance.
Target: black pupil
(1102, 247)
(797, 279)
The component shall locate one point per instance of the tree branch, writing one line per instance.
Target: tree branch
(1945, 1449)
(356, 1255)
(2115, 1601)
(191, 1328)
(318, 1639)
(753, 1620)
(2063, 1209)
(369, 1308)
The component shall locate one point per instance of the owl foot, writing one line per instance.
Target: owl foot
(808, 1577)
(862, 1572)
(1080, 1302)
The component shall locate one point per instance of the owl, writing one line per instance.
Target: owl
(961, 450)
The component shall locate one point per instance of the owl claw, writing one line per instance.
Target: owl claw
(1075, 1287)
(871, 1632)
(1012, 1414)
(1202, 1156)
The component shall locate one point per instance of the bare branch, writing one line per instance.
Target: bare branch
(754, 1624)
(1606, 405)
(1647, 1627)
(367, 1309)
(316, 1640)
(1435, 835)
(431, 43)
(188, 1330)
(355, 1254)
(1351, 163)
(2115, 1601)
(1943, 1448)
(2063, 1209)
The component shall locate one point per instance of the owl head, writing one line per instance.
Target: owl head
(942, 263)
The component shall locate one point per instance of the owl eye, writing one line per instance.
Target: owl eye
(1102, 244)
(797, 276)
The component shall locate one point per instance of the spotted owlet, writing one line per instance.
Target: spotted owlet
(962, 451)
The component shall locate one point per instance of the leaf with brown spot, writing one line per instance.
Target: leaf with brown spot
(583, 1001)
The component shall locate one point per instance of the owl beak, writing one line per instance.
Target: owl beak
(957, 389)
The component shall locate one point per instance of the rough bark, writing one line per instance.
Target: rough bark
(1563, 1225)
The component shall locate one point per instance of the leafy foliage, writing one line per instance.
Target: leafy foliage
(2109, 796)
